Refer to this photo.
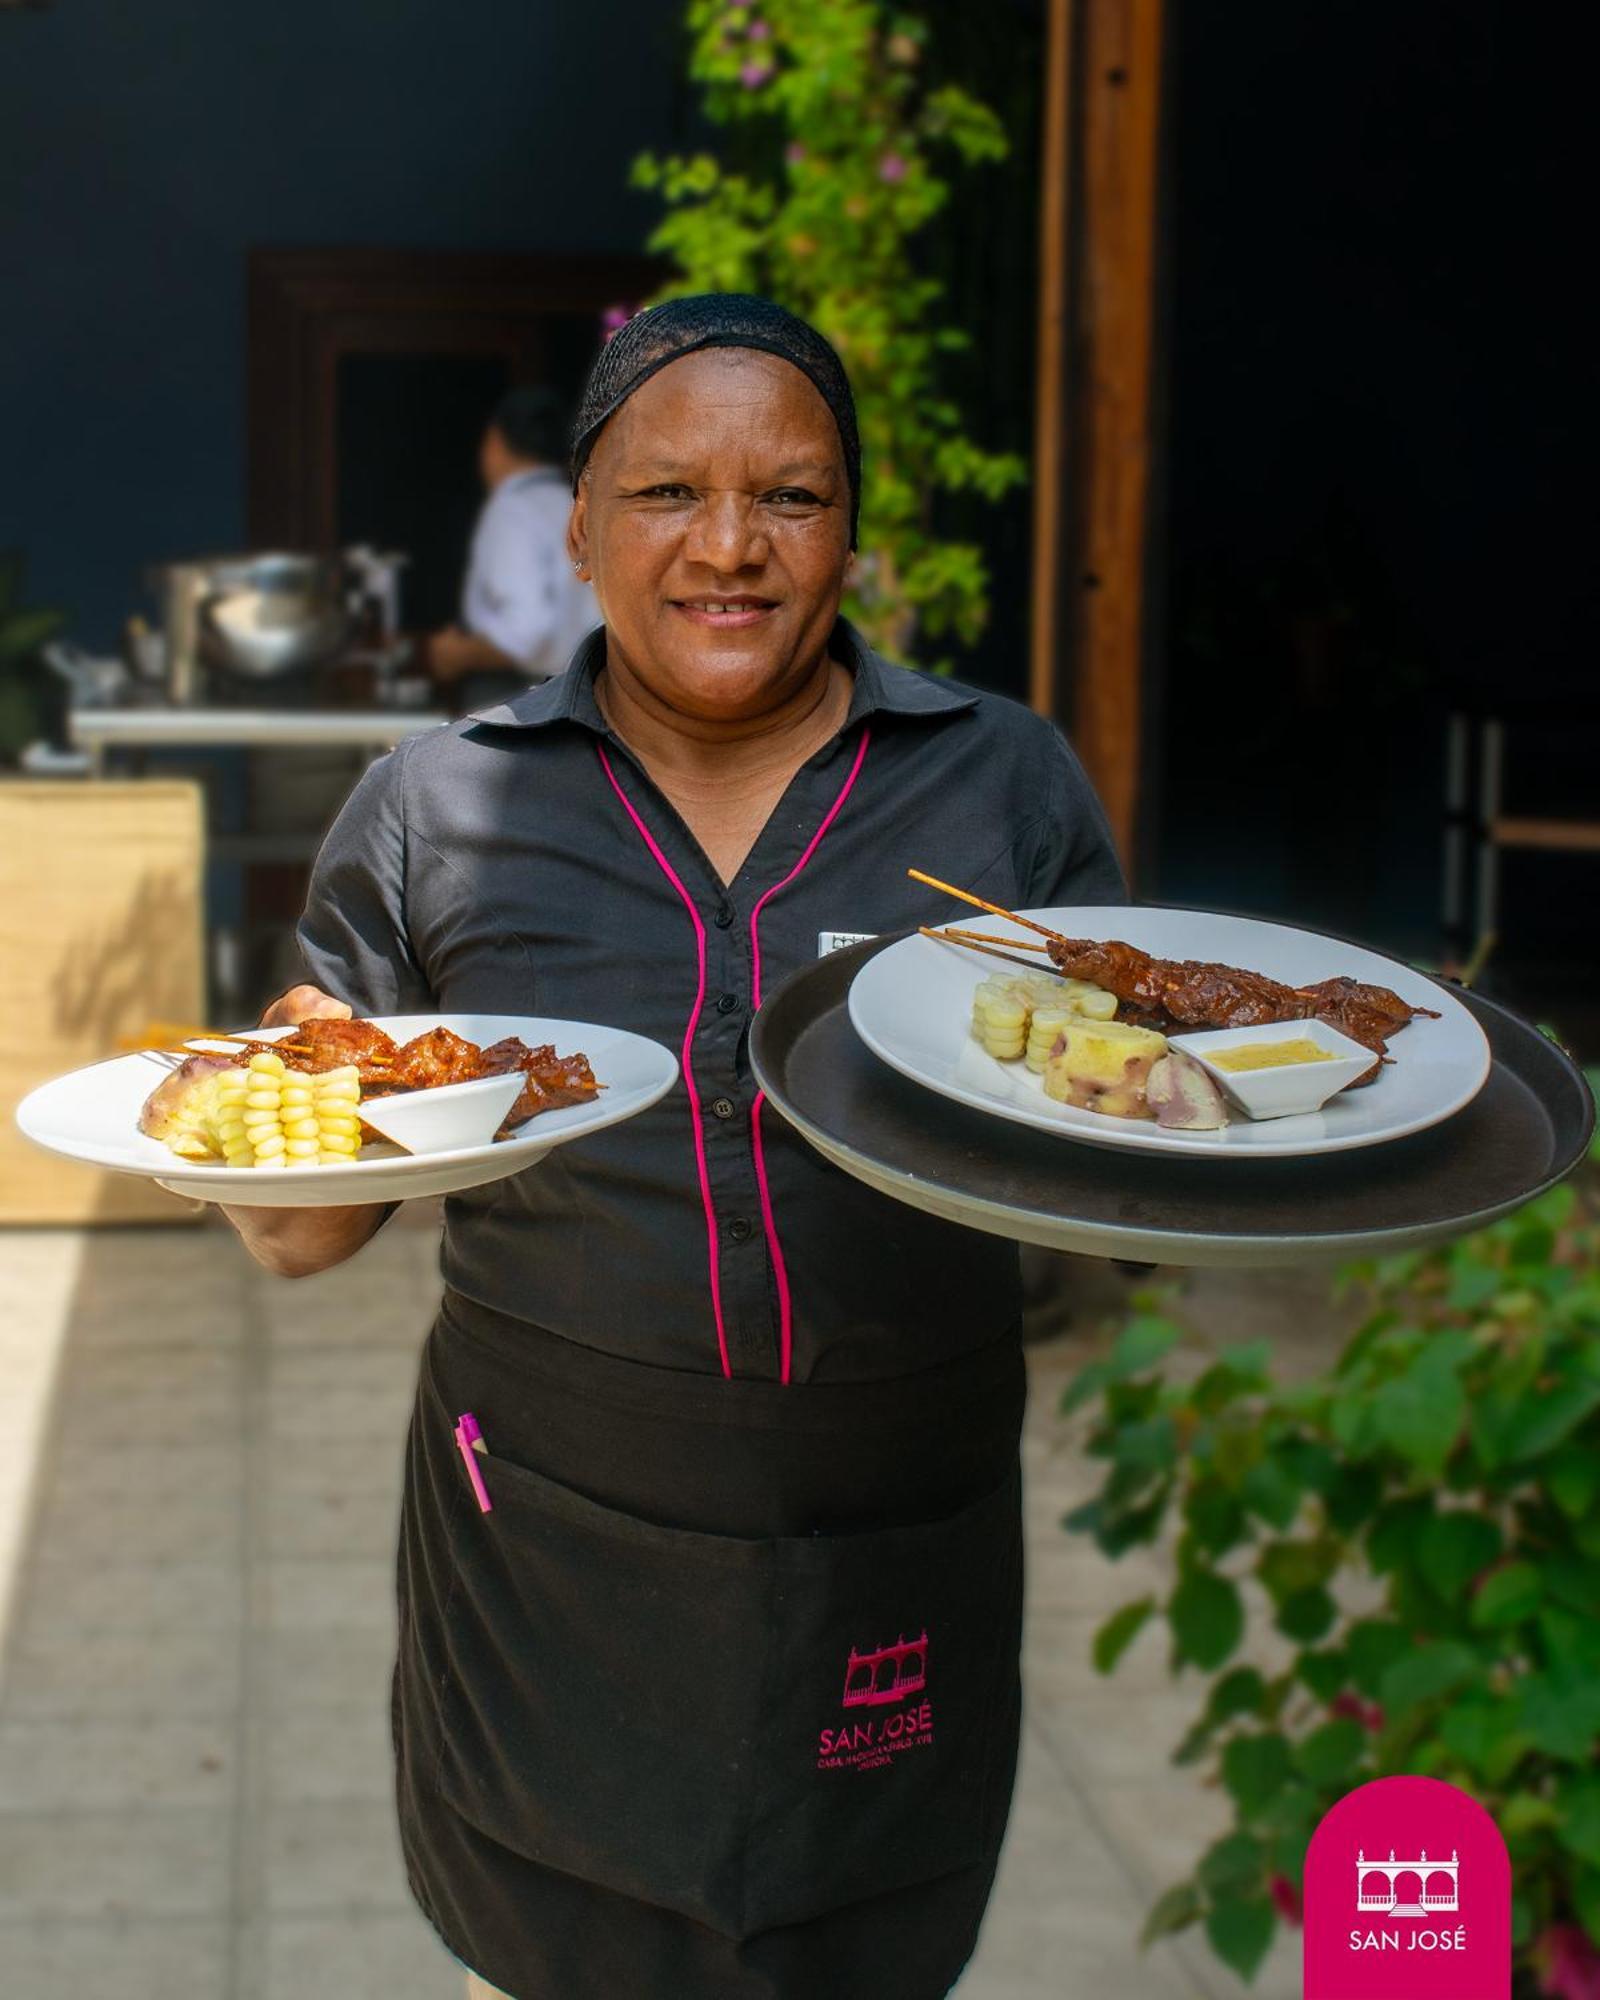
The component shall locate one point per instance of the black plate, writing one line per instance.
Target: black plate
(1526, 1129)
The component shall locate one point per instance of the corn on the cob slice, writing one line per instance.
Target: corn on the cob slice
(269, 1115)
(1004, 1010)
(1093, 1002)
(1000, 1019)
(336, 1096)
(1047, 1023)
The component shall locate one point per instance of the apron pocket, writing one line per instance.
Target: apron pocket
(748, 1732)
(890, 1702)
(603, 1690)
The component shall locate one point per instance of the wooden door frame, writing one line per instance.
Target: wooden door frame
(1097, 395)
(307, 307)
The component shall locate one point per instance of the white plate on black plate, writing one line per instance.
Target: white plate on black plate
(93, 1115)
(912, 1006)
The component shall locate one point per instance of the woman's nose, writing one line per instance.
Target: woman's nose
(725, 534)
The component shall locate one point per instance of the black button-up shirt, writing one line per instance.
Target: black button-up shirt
(522, 862)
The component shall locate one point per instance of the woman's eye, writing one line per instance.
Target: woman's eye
(794, 496)
(670, 491)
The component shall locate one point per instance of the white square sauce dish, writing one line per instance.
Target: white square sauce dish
(1290, 1079)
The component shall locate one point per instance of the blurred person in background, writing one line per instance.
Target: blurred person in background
(523, 610)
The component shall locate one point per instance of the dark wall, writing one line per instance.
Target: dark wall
(1376, 297)
(144, 148)
(1379, 457)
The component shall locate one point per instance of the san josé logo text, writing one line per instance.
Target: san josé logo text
(881, 1682)
(1386, 1888)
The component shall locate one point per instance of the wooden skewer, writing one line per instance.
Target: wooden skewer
(968, 943)
(293, 1048)
(994, 909)
(983, 937)
(203, 1036)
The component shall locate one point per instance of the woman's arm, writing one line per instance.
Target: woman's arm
(353, 938)
(298, 1242)
(1075, 860)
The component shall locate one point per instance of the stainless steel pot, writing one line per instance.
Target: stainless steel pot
(257, 616)
(270, 614)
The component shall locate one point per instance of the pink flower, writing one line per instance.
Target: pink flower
(1567, 1963)
(753, 74)
(794, 152)
(891, 168)
(1368, 1714)
(1285, 1899)
(614, 319)
(760, 31)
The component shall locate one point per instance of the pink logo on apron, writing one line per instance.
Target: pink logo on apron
(882, 1679)
(1407, 1897)
(887, 1675)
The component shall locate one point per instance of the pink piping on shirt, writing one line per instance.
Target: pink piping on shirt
(668, 870)
(768, 1222)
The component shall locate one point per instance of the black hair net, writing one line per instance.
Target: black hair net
(714, 319)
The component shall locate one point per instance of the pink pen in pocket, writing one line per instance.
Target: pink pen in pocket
(469, 1442)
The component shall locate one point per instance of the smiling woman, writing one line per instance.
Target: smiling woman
(743, 1423)
(723, 567)
(715, 514)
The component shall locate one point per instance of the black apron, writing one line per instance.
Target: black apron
(721, 1698)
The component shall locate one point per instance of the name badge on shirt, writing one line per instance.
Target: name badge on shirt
(837, 940)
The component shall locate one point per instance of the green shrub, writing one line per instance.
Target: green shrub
(1450, 1460)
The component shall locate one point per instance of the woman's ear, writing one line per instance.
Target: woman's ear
(578, 531)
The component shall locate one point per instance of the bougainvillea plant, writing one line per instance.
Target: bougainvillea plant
(842, 149)
(1450, 1461)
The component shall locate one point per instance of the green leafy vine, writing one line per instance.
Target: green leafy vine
(843, 151)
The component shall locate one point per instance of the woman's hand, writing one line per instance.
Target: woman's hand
(303, 1003)
(297, 1242)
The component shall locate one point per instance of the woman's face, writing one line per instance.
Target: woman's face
(714, 519)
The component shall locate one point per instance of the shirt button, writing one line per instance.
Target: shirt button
(727, 1002)
(741, 1229)
(724, 917)
(723, 1107)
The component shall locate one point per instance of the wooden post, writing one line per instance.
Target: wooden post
(1103, 106)
(1049, 424)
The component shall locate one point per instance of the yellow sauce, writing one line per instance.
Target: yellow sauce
(1268, 1055)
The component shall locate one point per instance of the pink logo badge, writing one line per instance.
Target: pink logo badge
(1407, 1897)
(887, 1675)
(881, 1680)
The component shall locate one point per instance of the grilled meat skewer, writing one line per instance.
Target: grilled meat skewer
(1169, 993)
(1199, 994)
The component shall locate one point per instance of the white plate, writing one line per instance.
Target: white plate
(912, 1005)
(93, 1115)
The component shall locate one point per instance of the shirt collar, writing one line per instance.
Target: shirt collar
(881, 688)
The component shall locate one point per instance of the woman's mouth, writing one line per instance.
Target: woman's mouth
(725, 614)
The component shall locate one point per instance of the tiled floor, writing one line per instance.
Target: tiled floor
(198, 1477)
